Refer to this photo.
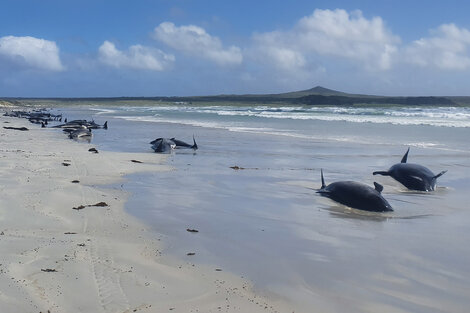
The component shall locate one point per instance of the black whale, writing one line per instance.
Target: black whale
(356, 195)
(412, 176)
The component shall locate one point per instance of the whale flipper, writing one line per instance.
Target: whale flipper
(440, 174)
(405, 157)
(384, 173)
(378, 187)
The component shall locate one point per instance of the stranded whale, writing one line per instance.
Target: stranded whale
(162, 145)
(80, 123)
(165, 145)
(412, 176)
(356, 195)
(83, 132)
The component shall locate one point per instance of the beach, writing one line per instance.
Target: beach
(70, 247)
(242, 156)
(265, 240)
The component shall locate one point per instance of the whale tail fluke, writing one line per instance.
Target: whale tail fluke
(155, 141)
(159, 147)
(440, 174)
(405, 157)
(384, 173)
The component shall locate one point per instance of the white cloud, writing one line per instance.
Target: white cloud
(447, 49)
(196, 41)
(328, 33)
(31, 52)
(137, 57)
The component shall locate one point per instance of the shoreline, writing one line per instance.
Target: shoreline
(97, 259)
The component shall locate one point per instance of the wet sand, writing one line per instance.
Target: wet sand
(266, 222)
(94, 258)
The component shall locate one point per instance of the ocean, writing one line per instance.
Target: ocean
(265, 222)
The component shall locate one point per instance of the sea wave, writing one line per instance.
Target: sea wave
(270, 131)
(435, 116)
(101, 111)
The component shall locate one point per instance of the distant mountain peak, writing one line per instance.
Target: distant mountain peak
(318, 90)
(325, 91)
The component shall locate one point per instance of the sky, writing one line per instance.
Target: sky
(97, 48)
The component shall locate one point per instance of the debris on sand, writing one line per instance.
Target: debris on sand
(99, 204)
(190, 253)
(93, 150)
(48, 270)
(75, 181)
(65, 164)
(236, 168)
(136, 161)
(192, 230)
(16, 128)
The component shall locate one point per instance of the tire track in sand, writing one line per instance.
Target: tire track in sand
(107, 277)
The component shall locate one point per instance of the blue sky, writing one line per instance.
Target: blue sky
(73, 48)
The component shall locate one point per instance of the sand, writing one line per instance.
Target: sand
(54, 258)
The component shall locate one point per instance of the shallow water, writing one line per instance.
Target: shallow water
(265, 222)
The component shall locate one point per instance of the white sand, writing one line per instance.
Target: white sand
(108, 261)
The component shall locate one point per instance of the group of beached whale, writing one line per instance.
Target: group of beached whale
(350, 193)
(76, 129)
(80, 129)
(39, 116)
(360, 196)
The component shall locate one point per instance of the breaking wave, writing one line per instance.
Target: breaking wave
(433, 116)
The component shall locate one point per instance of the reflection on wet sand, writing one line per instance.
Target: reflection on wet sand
(345, 212)
(269, 224)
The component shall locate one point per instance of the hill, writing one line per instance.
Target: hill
(314, 96)
(323, 96)
(318, 90)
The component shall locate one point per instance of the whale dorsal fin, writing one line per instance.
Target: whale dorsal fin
(378, 187)
(322, 180)
(405, 157)
(194, 144)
